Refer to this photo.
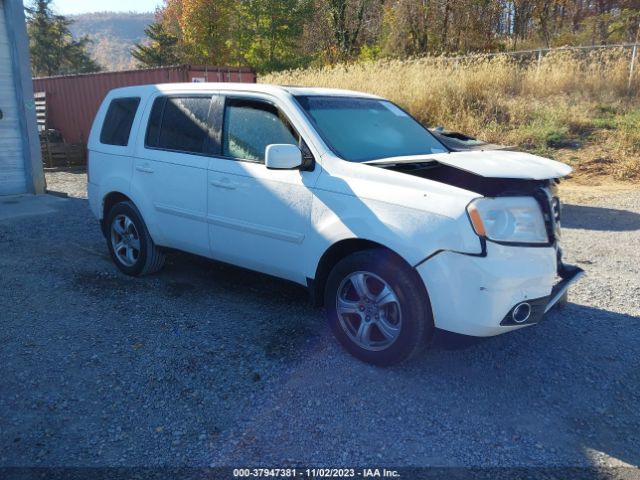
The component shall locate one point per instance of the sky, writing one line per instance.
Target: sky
(70, 7)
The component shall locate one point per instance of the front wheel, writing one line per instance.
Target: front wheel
(377, 307)
(129, 242)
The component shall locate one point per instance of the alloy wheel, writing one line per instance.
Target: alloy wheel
(368, 310)
(125, 240)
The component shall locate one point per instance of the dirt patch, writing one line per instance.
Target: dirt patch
(597, 162)
(589, 190)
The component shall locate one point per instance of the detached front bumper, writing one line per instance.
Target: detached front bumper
(569, 274)
(509, 288)
(532, 311)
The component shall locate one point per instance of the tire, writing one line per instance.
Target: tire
(129, 242)
(382, 331)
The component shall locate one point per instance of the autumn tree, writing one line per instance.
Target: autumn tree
(275, 34)
(405, 28)
(203, 29)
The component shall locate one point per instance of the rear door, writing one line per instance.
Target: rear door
(258, 218)
(170, 171)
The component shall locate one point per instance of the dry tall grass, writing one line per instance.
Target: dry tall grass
(574, 106)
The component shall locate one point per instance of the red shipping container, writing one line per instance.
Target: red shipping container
(73, 100)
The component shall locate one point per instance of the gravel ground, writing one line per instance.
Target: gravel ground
(206, 364)
(72, 181)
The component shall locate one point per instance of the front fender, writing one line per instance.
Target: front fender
(412, 234)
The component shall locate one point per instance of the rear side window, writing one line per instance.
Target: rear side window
(116, 127)
(180, 124)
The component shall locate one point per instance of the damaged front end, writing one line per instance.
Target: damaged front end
(496, 175)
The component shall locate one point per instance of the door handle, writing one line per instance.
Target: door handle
(224, 183)
(144, 168)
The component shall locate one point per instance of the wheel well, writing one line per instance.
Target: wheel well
(109, 201)
(333, 255)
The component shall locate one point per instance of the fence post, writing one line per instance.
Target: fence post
(634, 54)
(539, 60)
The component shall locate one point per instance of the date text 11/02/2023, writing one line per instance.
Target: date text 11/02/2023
(315, 473)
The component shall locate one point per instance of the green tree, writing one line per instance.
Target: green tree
(52, 47)
(161, 49)
(269, 33)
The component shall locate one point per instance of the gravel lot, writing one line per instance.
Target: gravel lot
(206, 364)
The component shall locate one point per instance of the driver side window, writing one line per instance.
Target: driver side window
(251, 125)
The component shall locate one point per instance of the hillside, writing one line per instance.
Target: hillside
(113, 34)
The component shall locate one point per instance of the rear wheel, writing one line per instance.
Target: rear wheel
(377, 307)
(129, 242)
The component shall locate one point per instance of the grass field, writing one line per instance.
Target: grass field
(575, 107)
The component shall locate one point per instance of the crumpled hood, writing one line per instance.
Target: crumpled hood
(494, 164)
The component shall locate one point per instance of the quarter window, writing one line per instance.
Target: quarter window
(116, 127)
(250, 126)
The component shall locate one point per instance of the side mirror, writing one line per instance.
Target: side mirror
(282, 157)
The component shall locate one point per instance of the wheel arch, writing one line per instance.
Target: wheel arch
(341, 249)
(109, 200)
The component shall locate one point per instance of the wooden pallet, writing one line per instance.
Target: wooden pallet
(55, 152)
(62, 154)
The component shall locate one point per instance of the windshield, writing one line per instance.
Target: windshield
(364, 129)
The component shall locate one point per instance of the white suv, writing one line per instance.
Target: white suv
(340, 191)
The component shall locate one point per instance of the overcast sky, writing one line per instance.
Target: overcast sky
(69, 7)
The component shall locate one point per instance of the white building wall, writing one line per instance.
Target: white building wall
(12, 165)
(20, 160)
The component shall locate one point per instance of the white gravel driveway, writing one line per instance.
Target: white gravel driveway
(205, 364)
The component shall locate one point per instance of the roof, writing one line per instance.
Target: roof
(275, 90)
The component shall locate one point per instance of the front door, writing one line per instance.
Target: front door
(258, 218)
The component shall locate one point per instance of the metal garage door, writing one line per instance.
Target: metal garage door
(12, 165)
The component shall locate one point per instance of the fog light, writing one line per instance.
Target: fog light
(521, 312)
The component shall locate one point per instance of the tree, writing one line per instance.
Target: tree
(203, 29)
(347, 19)
(276, 34)
(264, 34)
(404, 28)
(161, 50)
(52, 47)
(269, 32)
